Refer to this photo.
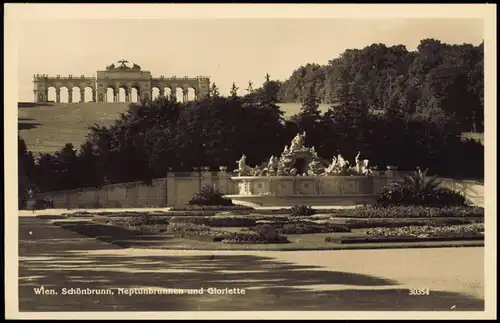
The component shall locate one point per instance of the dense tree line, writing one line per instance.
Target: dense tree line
(436, 78)
(154, 137)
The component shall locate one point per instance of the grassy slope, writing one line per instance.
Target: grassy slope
(48, 128)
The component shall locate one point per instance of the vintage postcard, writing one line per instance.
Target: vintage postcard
(250, 161)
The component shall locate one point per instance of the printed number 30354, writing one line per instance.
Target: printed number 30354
(419, 291)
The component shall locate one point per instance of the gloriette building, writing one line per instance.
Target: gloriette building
(131, 81)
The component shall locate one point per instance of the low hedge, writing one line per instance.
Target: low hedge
(249, 237)
(476, 229)
(134, 221)
(187, 229)
(410, 212)
(390, 223)
(212, 208)
(217, 221)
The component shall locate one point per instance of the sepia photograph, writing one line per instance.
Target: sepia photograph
(250, 161)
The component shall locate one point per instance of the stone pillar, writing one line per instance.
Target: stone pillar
(170, 190)
(82, 95)
(127, 95)
(222, 180)
(206, 178)
(58, 95)
(70, 96)
(94, 95)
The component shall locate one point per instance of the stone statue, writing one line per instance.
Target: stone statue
(333, 166)
(285, 151)
(298, 142)
(110, 67)
(243, 169)
(135, 66)
(342, 163)
(257, 171)
(123, 61)
(358, 163)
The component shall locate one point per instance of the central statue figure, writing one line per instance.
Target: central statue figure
(298, 142)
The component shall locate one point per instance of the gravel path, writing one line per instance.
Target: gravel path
(296, 280)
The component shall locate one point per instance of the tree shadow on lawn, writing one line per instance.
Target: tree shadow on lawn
(278, 282)
(26, 124)
(69, 264)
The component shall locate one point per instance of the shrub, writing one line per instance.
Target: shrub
(210, 195)
(302, 210)
(419, 190)
(412, 211)
(311, 227)
(43, 203)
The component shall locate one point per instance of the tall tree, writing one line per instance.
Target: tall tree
(234, 91)
(214, 91)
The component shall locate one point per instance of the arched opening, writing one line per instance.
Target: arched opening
(155, 93)
(88, 94)
(191, 94)
(64, 94)
(51, 94)
(301, 165)
(134, 94)
(167, 92)
(110, 94)
(179, 94)
(122, 94)
(76, 95)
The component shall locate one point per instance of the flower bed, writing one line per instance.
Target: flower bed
(476, 229)
(135, 220)
(409, 212)
(212, 208)
(217, 221)
(247, 237)
(311, 227)
(391, 223)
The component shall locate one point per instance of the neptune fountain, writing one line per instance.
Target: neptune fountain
(303, 161)
(300, 176)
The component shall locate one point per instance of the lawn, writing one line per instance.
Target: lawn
(48, 127)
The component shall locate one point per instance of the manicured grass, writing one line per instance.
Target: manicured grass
(48, 127)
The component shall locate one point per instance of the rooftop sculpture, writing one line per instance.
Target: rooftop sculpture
(123, 66)
(304, 161)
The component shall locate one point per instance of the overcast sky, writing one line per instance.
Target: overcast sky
(225, 50)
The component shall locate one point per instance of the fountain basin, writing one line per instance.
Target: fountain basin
(286, 191)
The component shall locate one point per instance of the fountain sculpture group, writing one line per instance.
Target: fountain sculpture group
(300, 176)
(286, 164)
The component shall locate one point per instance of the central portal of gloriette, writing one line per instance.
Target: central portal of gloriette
(299, 176)
(124, 76)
